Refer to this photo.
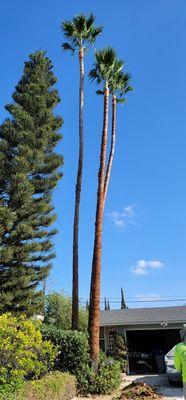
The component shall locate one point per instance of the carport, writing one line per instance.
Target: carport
(149, 334)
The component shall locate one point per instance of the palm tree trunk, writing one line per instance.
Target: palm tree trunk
(94, 313)
(112, 147)
(75, 278)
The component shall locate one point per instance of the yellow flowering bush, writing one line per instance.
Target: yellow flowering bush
(23, 352)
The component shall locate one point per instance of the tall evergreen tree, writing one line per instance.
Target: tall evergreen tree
(28, 174)
(123, 304)
(80, 33)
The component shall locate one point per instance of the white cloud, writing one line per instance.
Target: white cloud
(143, 266)
(156, 264)
(120, 219)
(119, 222)
(148, 297)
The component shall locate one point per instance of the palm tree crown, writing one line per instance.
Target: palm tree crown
(80, 32)
(119, 85)
(106, 64)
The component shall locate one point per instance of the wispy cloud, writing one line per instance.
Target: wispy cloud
(124, 217)
(149, 297)
(142, 267)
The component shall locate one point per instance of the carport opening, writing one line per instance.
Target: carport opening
(147, 349)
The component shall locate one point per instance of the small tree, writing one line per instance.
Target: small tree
(58, 312)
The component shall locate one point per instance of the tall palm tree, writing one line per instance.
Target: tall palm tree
(119, 86)
(102, 73)
(80, 34)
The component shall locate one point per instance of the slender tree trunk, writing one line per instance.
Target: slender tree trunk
(112, 147)
(75, 279)
(94, 313)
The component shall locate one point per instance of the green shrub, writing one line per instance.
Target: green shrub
(108, 377)
(119, 351)
(73, 346)
(23, 352)
(74, 357)
(53, 386)
(8, 391)
(104, 381)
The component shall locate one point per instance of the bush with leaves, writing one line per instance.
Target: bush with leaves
(119, 351)
(73, 348)
(103, 381)
(58, 312)
(23, 352)
(74, 356)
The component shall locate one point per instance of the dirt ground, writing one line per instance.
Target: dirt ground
(159, 382)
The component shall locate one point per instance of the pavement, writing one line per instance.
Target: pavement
(160, 383)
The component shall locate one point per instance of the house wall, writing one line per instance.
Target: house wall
(122, 330)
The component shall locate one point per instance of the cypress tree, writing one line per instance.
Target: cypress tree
(105, 303)
(123, 304)
(28, 174)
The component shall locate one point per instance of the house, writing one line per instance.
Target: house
(149, 334)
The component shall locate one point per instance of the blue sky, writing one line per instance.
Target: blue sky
(144, 242)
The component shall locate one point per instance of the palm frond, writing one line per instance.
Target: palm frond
(79, 22)
(94, 75)
(67, 47)
(99, 92)
(121, 101)
(90, 21)
(68, 29)
(95, 32)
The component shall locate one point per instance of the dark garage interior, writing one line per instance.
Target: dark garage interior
(147, 348)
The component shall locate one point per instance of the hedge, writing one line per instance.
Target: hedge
(73, 346)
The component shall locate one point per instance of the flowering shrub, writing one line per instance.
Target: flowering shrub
(23, 352)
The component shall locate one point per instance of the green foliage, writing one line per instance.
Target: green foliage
(123, 304)
(58, 312)
(80, 32)
(55, 385)
(119, 350)
(28, 174)
(23, 352)
(74, 357)
(105, 66)
(103, 381)
(73, 346)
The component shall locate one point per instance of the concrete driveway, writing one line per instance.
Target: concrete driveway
(161, 384)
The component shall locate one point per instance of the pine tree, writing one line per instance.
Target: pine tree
(108, 305)
(123, 304)
(28, 174)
